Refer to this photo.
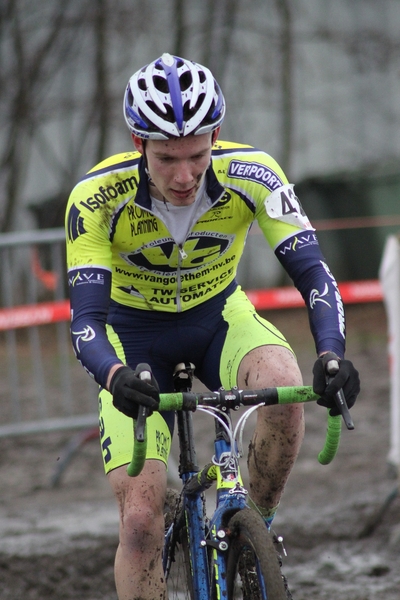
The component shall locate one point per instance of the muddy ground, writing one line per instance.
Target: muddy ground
(59, 542)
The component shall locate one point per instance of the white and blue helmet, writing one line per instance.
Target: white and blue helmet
(173, 97)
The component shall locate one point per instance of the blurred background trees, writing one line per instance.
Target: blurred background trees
(315, 84)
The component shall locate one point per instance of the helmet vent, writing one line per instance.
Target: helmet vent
(168, 115)
(186, 81)
(160, 83)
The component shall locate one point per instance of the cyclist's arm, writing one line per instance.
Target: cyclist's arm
(90, 297)
(312, 277)
(289, 232)
(89, 261)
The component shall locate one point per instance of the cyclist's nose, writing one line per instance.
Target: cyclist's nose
(184, 174)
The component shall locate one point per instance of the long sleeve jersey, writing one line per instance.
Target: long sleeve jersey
(119, 249)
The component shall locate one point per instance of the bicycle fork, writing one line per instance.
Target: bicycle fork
(210, 540)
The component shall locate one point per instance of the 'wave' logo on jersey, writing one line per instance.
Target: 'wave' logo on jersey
(254, 172)
(164, 257)
(297, 242)
(75, 226)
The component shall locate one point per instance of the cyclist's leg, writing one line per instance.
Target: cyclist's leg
(138, 568)
(279, 430)
(256, 355)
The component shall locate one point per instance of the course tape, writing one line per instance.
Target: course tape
(283, 297)
(353, 292)
(34, 314)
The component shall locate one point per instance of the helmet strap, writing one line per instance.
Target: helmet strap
(146, 167)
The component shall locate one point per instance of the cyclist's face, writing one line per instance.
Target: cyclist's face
(177, 166)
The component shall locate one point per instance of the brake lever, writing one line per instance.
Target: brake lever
(143, 411)
(332, 367)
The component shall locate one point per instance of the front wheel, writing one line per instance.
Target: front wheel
(176, 555)
(253, 571)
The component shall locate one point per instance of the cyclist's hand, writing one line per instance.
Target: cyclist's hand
(346, 378)
(129, 391)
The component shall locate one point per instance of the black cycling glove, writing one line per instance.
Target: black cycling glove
(327, 384)
(129, 391)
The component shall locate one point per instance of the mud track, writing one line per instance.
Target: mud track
(59, 543)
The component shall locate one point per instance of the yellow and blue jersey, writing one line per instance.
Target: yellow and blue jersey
(118, 248)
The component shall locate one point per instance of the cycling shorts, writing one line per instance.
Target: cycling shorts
(215, 336)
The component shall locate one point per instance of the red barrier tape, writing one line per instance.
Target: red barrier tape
(288, 297)
(284, 297)
(34, 314)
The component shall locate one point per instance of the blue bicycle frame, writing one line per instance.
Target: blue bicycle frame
(207, 538)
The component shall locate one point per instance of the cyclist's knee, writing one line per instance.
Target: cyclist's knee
(141, 526)
(141, 503)
(268, 366)
(286, 417)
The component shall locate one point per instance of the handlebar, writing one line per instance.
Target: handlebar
(332, 367)
(233, 399)
(140, 434)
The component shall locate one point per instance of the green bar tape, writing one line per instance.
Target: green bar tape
(328, 452)
(291, 395)
(138, 456)
(172, 401)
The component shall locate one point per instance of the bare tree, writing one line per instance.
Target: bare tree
(180, 28)
(31, 71)
(101, 93)
(285, 49)
(218, 35)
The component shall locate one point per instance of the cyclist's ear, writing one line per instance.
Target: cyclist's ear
(215, 135)
(138, 143)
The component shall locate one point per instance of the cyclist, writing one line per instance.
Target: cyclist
(154, 237)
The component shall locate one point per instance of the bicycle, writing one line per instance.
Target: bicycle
(230, 554)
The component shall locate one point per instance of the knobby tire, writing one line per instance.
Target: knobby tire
(250, 541)
(179, 580)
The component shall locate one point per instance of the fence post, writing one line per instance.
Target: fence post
(389, 274)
